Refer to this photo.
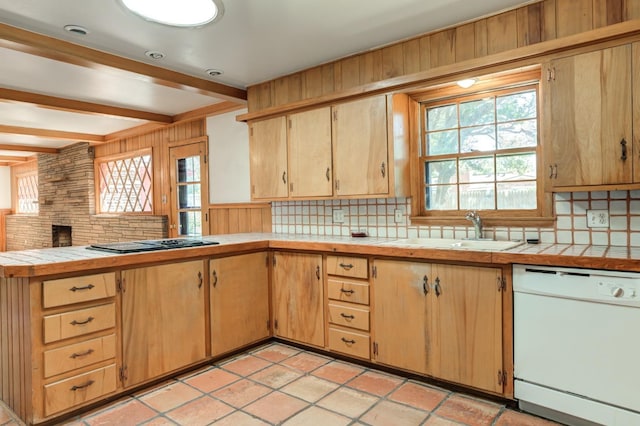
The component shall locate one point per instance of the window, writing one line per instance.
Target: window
(480, 152)
(27, 192)
(125, 183)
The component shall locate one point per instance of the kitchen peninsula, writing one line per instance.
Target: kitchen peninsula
(71, 318)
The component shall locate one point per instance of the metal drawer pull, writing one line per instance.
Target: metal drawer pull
(328, 175)
(346, 266)
(215, 278)
(623, 143)
(87, 321)
(78, 355)
(284, 177)
(200, 280)
(346, 316)
(437, 287)
(348, 342)
(74, 288)
(317, 272)
(425, 285)
(86, 385)
(347, 292)
(383, 170)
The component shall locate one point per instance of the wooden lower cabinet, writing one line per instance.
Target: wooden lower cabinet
(445, 321)
(163, 319)
(239, 301)
(298, 312)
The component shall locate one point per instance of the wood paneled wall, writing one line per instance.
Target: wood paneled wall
(527, 25)
(158, 140)
(3, 229)
(236, 218)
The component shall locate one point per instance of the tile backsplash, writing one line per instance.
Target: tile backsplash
(378, 218)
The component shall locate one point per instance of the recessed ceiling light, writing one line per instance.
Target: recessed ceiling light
(177, 13)
(76, 29)
(154, 54)
(466, 83)
(213, 72)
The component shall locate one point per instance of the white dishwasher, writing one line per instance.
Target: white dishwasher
(577, 344)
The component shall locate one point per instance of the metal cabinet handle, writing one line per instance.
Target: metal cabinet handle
(346, 266)
(81, 354)
(86, 385)
(550, 172)
(284, 177)
(327, 174)
(425, 285)
(348, 342)
(87, 321)
(383, 169)
(88, 287)
(200, 280)
(347, 292)
(318, 272)
(215, 278)
(346, 316)
(623, 144)
(437, 287)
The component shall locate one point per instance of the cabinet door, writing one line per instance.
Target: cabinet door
(590, 122)
(298, 297)
(239, 301)
(268, 153)
(163, 321)
(310, 173)
(360, 150)
(467, 328)
(401, 314)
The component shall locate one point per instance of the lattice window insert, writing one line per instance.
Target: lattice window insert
(126, 185)
(27, 185)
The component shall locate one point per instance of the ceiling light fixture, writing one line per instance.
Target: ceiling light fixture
(466, 83)
(211, 72)
(154, 54)
(76, 29)
(177, 13)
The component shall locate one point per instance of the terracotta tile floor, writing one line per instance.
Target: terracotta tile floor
(278, 384)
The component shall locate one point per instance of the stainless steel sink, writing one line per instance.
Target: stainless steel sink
(456, 244)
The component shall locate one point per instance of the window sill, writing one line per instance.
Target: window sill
(524, 222)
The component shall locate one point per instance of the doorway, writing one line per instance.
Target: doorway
(189, 190)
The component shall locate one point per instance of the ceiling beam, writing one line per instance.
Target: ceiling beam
(28, 148)
(13, 159)
(215, 109)
(52, 134)
(71, 105)
(63, 51)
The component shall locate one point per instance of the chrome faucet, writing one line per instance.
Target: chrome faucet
(474, 217)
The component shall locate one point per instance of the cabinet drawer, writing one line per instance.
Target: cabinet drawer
(79, 322)
(348, 291)
(66, 291)
(346, 342)
(349, 316)
(347, 266)
(77, 390)
(61, 360)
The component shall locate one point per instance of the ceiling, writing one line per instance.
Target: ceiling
(58, 88)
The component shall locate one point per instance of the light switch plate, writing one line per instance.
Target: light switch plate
(398, 215)
(598, 218)
(338, 216)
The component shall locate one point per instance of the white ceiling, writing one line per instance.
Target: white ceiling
(255, 41)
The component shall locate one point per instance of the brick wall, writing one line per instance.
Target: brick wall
(67, 197)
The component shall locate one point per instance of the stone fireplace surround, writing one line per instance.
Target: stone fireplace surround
(67, 198)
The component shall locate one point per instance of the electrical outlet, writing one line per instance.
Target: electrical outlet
(338, 216)
(398, 215)
(598, 218)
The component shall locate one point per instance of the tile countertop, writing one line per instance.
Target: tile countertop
(52, 261)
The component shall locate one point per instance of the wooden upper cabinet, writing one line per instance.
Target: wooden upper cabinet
(163, 319)
(310, 171)
(239, 301)
(360, 147)
(268, 155)
(297, 296)
(589, 119)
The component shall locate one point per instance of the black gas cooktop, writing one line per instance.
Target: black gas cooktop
(151, 245)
